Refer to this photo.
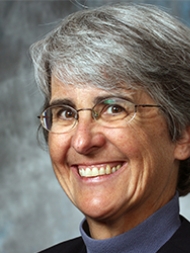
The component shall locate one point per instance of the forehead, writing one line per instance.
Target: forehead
(78, 93)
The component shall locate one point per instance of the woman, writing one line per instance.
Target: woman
(116, 119)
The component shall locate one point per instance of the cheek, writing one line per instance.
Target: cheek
(58, 146)
(130, 141)
(128, 145)
(143, 145)
(150, 157)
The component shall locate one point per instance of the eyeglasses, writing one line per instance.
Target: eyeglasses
(111, 112)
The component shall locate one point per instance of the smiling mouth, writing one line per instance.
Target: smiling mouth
(98, 171)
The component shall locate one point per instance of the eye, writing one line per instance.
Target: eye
(63, 113)
(114, 109)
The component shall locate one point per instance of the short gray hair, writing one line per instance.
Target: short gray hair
(128, 45)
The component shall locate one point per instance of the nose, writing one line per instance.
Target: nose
(87, 137)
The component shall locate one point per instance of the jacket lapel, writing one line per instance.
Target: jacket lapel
(179, 242)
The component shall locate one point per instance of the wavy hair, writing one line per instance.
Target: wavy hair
(128, 45)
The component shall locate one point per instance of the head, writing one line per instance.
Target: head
(132, 47)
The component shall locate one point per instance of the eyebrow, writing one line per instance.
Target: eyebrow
(62, 101)
(100, 98)
(66, 101)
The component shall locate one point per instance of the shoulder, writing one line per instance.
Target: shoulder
(74, 245)
(179, 242)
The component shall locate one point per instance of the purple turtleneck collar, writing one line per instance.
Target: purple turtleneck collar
(149, 236)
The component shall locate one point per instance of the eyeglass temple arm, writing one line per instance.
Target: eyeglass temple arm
(145, 105)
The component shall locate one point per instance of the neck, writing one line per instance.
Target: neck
(104, 228)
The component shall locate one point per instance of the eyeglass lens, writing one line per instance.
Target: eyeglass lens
(110, 113)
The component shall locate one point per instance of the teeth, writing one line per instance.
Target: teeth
(101, 171)
(98, 171)
(95, 171)
(82, 172)
(88, 172)
(113, 169)
(108, 169)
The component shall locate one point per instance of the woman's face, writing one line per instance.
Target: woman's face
(142, 153)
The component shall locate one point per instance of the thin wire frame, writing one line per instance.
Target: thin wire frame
(46, 120)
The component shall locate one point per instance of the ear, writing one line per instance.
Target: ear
(182, 148)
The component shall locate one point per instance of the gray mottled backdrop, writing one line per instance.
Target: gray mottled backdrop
(34, 211)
